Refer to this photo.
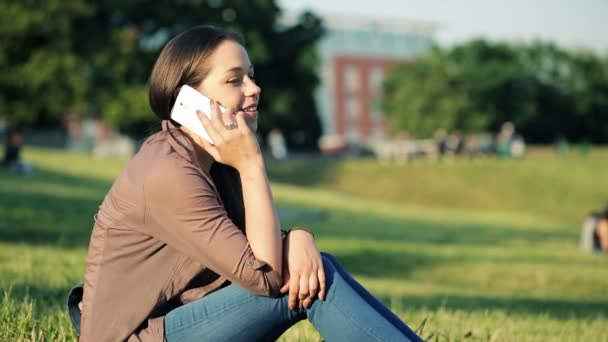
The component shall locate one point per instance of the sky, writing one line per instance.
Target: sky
(568, 23)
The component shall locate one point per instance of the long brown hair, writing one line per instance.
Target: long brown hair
(184, 61)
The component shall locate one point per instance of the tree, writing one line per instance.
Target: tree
(442, 104)
(546, 91)
(41, 73)
(110, 46)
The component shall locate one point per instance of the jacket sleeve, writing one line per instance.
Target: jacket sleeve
(184, 211)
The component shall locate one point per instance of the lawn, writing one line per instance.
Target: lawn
(475, 251)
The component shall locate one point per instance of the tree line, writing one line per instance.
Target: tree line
(547, 92)
(90, 57)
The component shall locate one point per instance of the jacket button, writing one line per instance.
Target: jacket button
(250, 262)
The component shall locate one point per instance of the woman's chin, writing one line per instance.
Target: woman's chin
(252, 122)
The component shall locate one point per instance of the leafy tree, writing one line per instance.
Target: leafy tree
(442, 106)
(101, 54)
(546, 91)
(41, 73)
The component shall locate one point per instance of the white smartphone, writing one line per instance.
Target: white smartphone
(188, 101)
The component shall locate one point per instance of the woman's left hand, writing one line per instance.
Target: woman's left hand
(304, 274)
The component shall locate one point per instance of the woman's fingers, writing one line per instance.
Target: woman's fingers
(313, 287)
(294, 289)
(312, 290)
(303, 295)
(241, 123)
(321, 278)
(235, 143)
(228, 116)
(217, 120)
(211, 149)
(210, 128)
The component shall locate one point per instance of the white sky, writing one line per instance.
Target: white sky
(569, 23)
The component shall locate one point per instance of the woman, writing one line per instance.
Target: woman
(174, 255)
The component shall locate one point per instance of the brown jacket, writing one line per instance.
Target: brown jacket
(161, 239)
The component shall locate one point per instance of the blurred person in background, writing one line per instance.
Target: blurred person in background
(594, 233)
(187, 245)
(562, 146)
(276, 142)
(441, 141)
(504, 138)
(509, 144)
(471, 146)
(12, 152)
(455, 143)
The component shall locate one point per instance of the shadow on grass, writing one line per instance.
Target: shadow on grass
(39, 218)
(398, 264)
(384, 264)
(303, 172)
(353, 225)
(45, 296)
(54, 177)
(560, 309)
(372, 260)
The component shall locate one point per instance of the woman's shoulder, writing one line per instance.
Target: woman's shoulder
(174, 183)
(165, 168)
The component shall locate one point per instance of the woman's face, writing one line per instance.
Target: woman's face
(230, 81)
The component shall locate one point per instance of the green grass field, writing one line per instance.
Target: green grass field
(473, 251)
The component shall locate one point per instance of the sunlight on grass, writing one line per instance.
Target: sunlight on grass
(482, 251)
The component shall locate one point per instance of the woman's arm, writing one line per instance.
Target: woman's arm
(183, 210)
(239, 148)
(261, 218)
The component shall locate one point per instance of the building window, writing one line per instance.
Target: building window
(352, 118)
(376, 78)
(351, 78)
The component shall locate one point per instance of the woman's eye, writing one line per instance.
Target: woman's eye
(234, 80)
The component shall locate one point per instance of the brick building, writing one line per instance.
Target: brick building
(356, 55)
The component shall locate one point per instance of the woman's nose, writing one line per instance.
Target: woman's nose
(252, 89)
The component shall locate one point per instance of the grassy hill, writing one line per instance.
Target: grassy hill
(481, 251)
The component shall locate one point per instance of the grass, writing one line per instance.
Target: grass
(473, 251)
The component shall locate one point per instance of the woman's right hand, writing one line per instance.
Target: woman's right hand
(237, 147)
(304, 274)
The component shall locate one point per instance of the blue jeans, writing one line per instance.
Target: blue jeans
(349, 313)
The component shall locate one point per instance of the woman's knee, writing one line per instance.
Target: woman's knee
(333, 269)
(330, 260)
(330, 267)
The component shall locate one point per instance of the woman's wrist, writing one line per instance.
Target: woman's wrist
(253, 169)
(301, 229)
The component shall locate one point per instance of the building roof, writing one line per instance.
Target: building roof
(357, 22)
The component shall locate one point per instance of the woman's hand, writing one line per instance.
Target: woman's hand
(234, 143)
(304, 274)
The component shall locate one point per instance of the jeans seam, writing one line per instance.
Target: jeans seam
(352, 322)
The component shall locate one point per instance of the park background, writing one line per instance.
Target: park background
(463, 246)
